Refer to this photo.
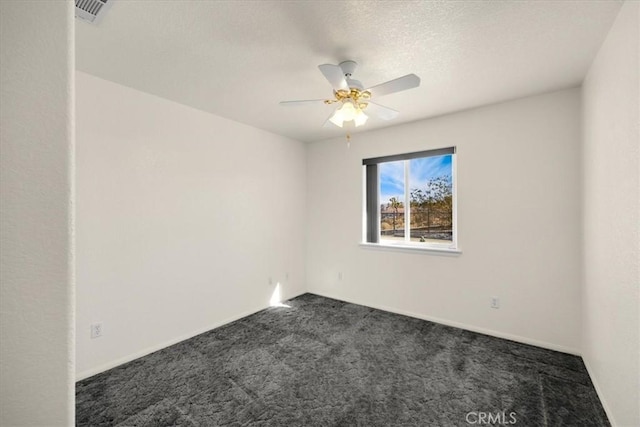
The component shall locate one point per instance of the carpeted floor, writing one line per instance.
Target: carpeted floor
(323, 362)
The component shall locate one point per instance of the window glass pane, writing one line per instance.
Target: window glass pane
(392, 190)
(431, 190)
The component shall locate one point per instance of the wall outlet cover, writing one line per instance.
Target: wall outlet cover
(96, 330)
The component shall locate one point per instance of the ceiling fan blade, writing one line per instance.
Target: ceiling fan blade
(396, 85)
(335, 76)
(377, 110)
(327, 123)
(302, 102)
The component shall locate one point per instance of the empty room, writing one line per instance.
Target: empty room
(320, 213)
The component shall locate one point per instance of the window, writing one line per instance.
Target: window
(410, 199)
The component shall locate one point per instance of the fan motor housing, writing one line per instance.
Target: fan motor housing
(354, 84)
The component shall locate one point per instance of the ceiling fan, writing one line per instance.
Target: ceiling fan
(353, 99)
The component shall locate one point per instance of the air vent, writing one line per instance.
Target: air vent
(92, 10)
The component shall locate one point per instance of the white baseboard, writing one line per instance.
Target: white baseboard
(114, 363)
(130, 357)
(607, 410)
(472, 328)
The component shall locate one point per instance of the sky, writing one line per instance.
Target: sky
(420, 171)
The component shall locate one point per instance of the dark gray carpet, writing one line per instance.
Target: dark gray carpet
(323, 362)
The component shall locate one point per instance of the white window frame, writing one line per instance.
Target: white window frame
(407, 245)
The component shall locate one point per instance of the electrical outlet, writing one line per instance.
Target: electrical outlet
(495, 302)
(340, 275)
(96, 330)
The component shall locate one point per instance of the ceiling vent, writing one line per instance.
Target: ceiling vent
(92, 11)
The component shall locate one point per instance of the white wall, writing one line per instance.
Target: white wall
(519, 222)
(611, 323)
(36, 267)
(182, 217)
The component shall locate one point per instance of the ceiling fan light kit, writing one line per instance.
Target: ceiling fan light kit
(354, 98)
(347, 113)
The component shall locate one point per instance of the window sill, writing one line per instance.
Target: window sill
(411, 249)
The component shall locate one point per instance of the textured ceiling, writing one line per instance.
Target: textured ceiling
(238, 59)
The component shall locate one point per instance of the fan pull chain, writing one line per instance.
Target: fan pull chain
(348, 140)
